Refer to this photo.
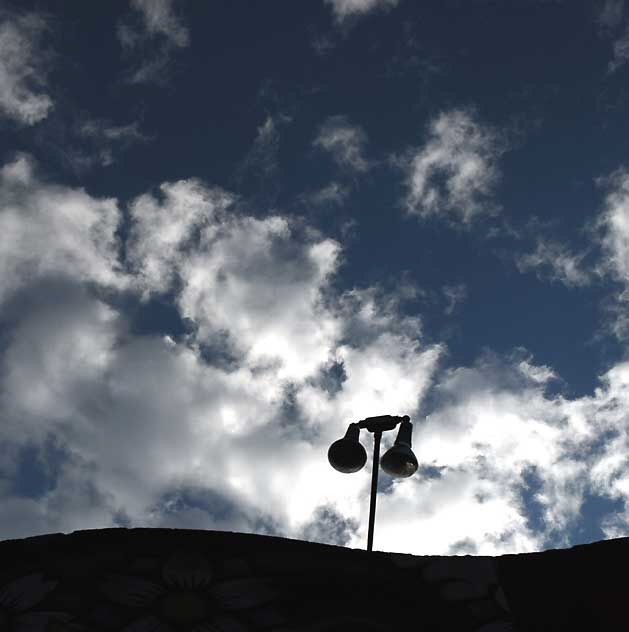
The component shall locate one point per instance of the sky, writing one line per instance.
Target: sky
(230, 229)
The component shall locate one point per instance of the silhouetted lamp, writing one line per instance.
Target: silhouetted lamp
(399, 460)
(347, 455)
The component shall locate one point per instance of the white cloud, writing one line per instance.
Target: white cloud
(154, 433)
(621, 52)
(614, 222)
(333, 194)
(493, 424)
(610, 15)
(612, 225)
(262, 158)
(153, 69)
(252, 281)
(22, 72)
(145, 424)
(345, 8)
(102, 129)
(538, 374)
(323, 44)
(134, 415)
(161, 230)
(454, 294)
(105, 138)
(609, 19)
(455, 172)
(345, 141)
(553, 260)
(160, 18)
(161, 32)
(54, 230)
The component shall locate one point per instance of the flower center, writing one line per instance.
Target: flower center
(184, 607)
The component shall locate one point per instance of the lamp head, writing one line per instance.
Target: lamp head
(399, 460)
(347, 455)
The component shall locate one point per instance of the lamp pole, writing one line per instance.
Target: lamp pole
(347, 455)
(377, 425)
(374, 487)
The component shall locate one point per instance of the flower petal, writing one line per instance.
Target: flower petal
(186, 569)
(149, 623)
(24, 592)
(236, 594)
(497, 626)
(222, 624)
(45, 621)
(130, 591)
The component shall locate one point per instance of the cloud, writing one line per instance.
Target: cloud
(537, 374)
(151, 431)
(80, 142)
(322, 44)
(454, 294)
(159, 18)
(232, 461)
(106, 139)
(161, 32)
(161, 230)
(455, 171)
(106, 401)
(333, 194)
(262, 158)
(346, 13)
(553, 260)
(22, 69)
(50, 229)
(621, 52)
(102, 129)
(254, 283)
(609, 20)
(613, 223)
(609, 15)
(245, 275)
(345, 141)
(493, 431)
(611, 232)
(344, 9)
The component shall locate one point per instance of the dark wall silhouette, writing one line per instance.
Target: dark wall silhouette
(170, 579)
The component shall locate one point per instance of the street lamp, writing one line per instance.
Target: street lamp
(347, 455)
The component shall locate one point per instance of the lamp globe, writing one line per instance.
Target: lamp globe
(347, 455)
(399, 461)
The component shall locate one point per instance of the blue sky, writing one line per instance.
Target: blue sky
(227, 230)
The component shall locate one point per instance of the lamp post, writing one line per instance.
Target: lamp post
(347, 455)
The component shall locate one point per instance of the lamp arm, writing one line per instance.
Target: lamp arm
(382, 422)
